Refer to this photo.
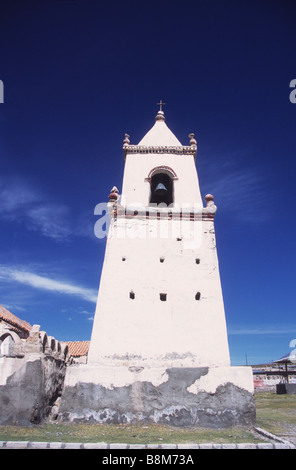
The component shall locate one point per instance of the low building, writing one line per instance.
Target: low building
(78, 350)
(12, 330)
(268, 376)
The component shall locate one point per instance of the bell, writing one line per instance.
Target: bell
(160, 189)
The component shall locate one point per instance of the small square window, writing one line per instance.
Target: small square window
(197, 296)
(197, 260)
(163, 297)
(132, 295)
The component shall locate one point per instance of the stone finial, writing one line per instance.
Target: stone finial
(126, 140)
(192, 139)
(211, 207)
(209, 198)
(113, 196)
(160, 116)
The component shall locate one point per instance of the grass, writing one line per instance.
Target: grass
(130, 434)
(275, 413)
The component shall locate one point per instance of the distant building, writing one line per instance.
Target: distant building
(78, 350)
(268, 376)
(14, 329)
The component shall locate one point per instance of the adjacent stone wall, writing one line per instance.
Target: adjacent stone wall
(31, 378)
(30, 392)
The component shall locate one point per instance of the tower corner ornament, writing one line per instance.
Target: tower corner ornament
(161, 332)
(114, 194)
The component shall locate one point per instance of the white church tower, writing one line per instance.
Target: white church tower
(160, 299)
(159, 349)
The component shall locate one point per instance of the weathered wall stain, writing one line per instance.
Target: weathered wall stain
(167, 403)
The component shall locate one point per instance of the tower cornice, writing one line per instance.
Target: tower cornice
(175, 150)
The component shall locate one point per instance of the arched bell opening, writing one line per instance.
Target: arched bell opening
(161, 189)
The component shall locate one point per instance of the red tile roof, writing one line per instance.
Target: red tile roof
(78, 348)
(14, 321)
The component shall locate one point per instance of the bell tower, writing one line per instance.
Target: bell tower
(159, 349)
(160, 301)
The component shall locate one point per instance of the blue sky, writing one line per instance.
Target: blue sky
(79, 74)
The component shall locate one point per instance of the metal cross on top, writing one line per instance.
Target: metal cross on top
(161, 104)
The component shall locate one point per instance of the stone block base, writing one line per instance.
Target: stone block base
(214, 397)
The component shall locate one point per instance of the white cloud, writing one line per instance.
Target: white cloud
(16, 196)
(23, 204)
(50, 220)
(263, 330)
(86, 312)
(41, 282)
(237, 187)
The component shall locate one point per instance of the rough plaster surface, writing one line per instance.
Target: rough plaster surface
(165, 401)
(111, 377)
(29, 393)
(239, 376)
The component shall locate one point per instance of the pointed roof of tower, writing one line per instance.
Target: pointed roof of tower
(160, 134)
(160, 139)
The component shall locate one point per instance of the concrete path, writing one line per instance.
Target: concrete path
(102, 445)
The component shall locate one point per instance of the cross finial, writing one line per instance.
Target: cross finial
(161, 104)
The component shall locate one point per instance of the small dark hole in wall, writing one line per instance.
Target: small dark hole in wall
(197, 260)
(123, 258)
(161, 260)
(132, 295)
(197, 296)
(163, 297)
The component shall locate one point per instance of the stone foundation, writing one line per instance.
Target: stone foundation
(213, 397)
